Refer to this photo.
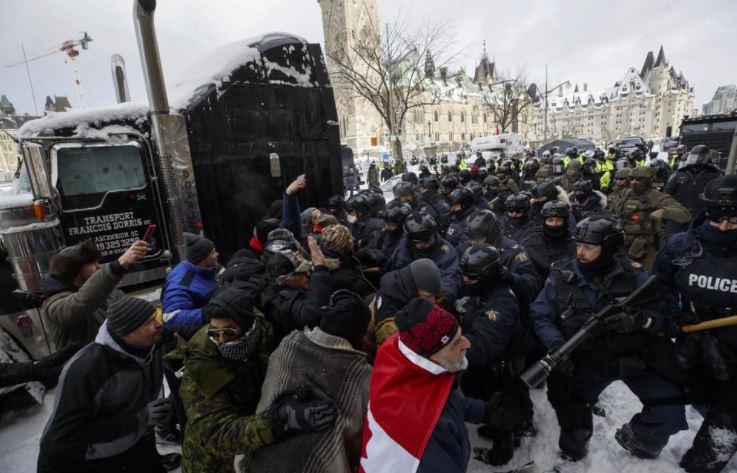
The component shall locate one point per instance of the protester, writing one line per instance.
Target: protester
(78, 288)
(108, 399)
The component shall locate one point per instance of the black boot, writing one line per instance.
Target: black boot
(500, 453)
(574, 443)
(637, 444)
(713, 447)
(171, 461)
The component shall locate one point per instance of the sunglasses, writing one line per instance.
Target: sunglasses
(214, 333)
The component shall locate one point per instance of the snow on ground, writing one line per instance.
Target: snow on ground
(21, 431)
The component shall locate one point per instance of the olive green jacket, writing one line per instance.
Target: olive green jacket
(220, 397)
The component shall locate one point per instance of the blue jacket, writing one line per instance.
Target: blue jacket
(444, 256)
(544, 313)
(186, 290)
(449, 448)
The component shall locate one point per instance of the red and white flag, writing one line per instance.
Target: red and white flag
(408, 394)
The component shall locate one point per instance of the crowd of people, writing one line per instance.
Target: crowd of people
(367, 335)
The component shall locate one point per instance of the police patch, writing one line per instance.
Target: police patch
(445, 248)
(491, 315)
(521, 257)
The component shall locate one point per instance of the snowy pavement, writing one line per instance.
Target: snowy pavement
(21, 431)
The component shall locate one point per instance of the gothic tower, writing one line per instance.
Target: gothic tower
(343, 23)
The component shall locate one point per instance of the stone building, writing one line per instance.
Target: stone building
(724, 101)
(650, 103)
(9, 124)
(457, 112)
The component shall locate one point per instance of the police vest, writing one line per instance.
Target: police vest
(545, 252)
(635, 215)
(574, 309)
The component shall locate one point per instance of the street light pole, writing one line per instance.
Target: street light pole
(547, 91)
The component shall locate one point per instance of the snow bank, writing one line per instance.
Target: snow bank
(218, 66)
(73, 117)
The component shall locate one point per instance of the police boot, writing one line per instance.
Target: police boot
(637, 443)
(574, 443)
(500, 453)
(713, 447)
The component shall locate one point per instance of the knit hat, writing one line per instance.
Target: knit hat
(346, 315)
(264, 227)
(198, 248)
(286, 262)
(306, 215)
(425, 327)
(232, 303)
(426, 275)
(125, 314)
(67, 264)
(338, 239)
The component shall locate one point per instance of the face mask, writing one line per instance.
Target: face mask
(728, 238)
(351, 218)
(639, 186)
(243, 347)
(556, 233)
(599, 267)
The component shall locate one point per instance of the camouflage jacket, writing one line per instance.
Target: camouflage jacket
(220, 397)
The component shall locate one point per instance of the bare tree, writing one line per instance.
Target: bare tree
(508, 100)
(387, 69)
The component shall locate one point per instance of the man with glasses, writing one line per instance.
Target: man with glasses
(574, 291)
(223, 366)
(698, 272)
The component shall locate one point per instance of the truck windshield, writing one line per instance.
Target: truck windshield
(86, 174)
(630, 142)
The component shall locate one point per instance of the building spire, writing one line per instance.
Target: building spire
(660, 61)
(484, 55)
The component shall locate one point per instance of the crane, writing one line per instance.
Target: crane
(68, 47)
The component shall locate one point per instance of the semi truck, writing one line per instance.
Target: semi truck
(207, 154)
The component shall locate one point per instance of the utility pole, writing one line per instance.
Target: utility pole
(547, 91)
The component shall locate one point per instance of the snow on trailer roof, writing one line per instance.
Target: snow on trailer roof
(214, 69)
(218, 66)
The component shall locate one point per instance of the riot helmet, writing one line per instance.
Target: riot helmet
(602, 231)
(461, 199)
(559, 167)
(480, 263)
(449, 183)
(420, 227)
(482, 226)
(720, 197)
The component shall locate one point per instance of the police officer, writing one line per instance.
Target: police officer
(635, 158)
(517, 224)
(433, 203)
(363, 226)
(422, 240)
(387, 240)
(462, 204)
(585, 201)
(336, 206)
(507, 184)
(532, 165)
(572, 175)
(688, 182)
(576, 289)
(661, 174)
(490, 320)
(620, 185)
(640, 213)
(550, 241)
(698, 272)
(523, 278)
(448, 185)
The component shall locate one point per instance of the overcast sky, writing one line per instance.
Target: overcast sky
(581, 40)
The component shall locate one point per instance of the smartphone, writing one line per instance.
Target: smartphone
(149, 232)
(302, 176)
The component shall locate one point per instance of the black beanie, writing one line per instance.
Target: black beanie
(232, 303)
(126, 314)
(346, 316)
(264, 227)
(198, 248)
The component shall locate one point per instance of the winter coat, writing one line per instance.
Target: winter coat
(397, 288)
(220, 397)
(100, 408)
(517, 229)
(287, 308)
(75, 315)
(594, 204)
(373, 176)
(437, 207)
(443, 255)
(346, 273)
(185, 291)
(449, 447)
(365, 229)
(335, 371)
(688, 183)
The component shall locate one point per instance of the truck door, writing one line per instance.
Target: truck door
(107, 194)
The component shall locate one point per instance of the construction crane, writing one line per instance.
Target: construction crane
(68, 47)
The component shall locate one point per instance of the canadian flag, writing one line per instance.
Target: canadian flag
(408, 394)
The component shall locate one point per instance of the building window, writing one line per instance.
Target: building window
(437, 135)
(436, 115)
(484, 118)
(463, 117)
(450, 116)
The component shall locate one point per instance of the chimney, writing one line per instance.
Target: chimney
(585, 87)
(444, 74)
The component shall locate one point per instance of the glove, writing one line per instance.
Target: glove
(657, 214)
(498, 416)
(296, 413)
(48, 369)
(158, 411)
(628, 323)
(565, 366)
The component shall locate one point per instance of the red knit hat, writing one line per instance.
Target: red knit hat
(425, 327)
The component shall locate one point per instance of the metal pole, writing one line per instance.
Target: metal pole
(732, 154)
(28, 70)
(545, 133)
